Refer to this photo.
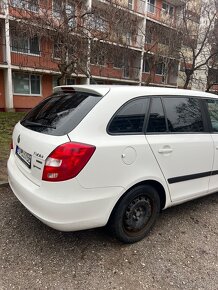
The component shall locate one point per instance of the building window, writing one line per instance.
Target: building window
(32, 5)
(70, 12)
(26, 84)
(97, 23)
(148, 36)
(130, 4)
(69, 81)
(25, 45)
(145, 67)
(62, 9)
(168, 9)
(57, 50)
(18, 3)
(118, 61)
(128, 38)
(151, 6)
(98, 59)
(56, 8)
(160, 68)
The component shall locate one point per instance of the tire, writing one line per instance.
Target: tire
(135, 214)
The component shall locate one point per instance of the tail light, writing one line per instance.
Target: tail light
(66, 161)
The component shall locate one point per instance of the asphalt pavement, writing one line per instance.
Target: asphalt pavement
(181, 252)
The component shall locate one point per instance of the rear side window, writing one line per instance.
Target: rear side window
(61, 113)
(130, 117)
(213, 113)
(183, 114)
(157, 121)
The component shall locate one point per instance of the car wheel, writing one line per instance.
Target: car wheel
(135, 214)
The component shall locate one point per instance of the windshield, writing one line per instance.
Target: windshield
(60, 113)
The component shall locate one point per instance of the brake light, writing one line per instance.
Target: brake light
(66, 161)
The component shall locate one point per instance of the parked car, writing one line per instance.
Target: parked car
(90, 156)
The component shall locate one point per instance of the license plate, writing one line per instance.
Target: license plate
(24, 156)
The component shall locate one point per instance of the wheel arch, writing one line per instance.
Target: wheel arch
(155, 184)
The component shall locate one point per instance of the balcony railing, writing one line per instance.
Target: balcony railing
(42, 60)
(131, 73)
(122, 73)
(137, 6)
(34, 61)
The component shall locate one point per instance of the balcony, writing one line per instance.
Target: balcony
(41, 61)
(134, 6)
(168, 18)
(177, 2)
(110, 72)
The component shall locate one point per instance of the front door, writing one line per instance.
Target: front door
(212, 106)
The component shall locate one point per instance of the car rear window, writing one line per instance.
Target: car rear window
(60, 113)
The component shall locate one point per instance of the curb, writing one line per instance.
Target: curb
(3, 184)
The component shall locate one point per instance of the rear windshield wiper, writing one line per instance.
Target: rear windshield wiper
(30, 123)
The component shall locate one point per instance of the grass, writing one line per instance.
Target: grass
(7, 123)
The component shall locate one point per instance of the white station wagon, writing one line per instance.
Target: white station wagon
(90, 156)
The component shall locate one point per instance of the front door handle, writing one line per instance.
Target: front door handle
(165, 150)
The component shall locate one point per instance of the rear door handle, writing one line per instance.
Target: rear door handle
(165, 150)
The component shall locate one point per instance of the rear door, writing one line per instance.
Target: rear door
(184, 152)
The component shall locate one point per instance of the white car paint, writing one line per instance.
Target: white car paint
(119, 163)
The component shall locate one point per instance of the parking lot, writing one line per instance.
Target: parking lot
(180, 252)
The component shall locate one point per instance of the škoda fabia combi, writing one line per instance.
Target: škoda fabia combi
(90, 156)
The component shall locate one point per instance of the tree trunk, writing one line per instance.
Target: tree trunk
(61, 80)
(188, 78)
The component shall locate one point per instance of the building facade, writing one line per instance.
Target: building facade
(28, 66)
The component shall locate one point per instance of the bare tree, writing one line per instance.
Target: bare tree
(72, 29)
(162, 44)
(197, 34)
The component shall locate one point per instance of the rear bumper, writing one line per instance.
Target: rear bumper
(64, 206)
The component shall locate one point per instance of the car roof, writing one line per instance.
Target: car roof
(136, 90)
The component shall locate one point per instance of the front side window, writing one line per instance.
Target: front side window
(183, 114)
(212, 106)
(130, 117)
(25, 84)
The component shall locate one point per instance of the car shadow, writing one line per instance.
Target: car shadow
(26, 225)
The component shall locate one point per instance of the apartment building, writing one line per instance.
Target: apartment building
(29, 68)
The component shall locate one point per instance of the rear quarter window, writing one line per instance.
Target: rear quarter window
(60, 113)
(129, 119)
